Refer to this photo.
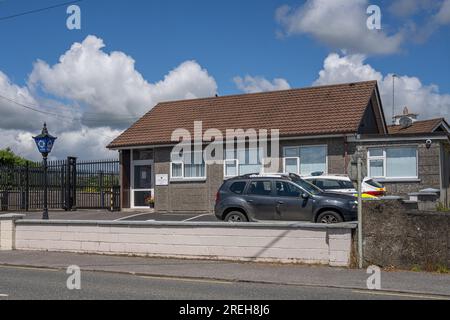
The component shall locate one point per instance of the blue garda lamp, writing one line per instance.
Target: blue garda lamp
(44, 143)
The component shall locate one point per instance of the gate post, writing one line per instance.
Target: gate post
(5, 200)
(22, 188)
(27, 186)
(71, 184)
(67, 202)
(100, 185)
(63, 186)
(74, 183)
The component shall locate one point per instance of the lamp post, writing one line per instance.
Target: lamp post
(44, 143)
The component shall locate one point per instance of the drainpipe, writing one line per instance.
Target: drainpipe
(442, 176)
(345, 154)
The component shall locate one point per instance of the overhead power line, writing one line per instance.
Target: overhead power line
(59, 116)
(39, 10)
(120, 116)
(28, 107)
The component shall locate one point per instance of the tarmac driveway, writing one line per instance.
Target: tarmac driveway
(122, 216)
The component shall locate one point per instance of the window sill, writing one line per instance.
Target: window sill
(175, 180)
(397, 180)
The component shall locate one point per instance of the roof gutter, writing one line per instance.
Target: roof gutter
(399, 138)
(284, 138)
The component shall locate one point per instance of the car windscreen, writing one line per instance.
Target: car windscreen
(328, 184)
(305, 185)
(347, 184)
(373, 183)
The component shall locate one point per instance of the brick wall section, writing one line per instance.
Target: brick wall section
(259, 242)
(186, 196)
(395, 235)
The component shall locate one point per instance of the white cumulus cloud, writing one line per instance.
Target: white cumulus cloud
(426, 100)
(340, 25)
(407, 8)
(13, 116)
(250, 84)
(109, 84)
(443, 16)
(84, 143)
(94, 94)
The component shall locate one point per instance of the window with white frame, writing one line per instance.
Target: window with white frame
(291, 165)
(305, 160)
(393, 162)
(190, 165)
(242, 161)
(231, 168)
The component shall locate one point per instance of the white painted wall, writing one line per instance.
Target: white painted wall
(297, 243)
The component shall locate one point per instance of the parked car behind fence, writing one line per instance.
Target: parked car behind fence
(343, 184)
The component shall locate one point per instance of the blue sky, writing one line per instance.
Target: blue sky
(226, 39)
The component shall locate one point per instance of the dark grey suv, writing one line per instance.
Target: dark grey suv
(281, 197)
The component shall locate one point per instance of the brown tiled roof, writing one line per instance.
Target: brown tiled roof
(426, 126)
(333, 109)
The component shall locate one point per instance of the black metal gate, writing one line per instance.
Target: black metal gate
(71, 185)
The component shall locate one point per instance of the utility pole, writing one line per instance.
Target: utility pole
(393, 98)
(359, 182)
(357, 170)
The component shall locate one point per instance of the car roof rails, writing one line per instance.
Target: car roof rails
(245, 176)
(264, 175)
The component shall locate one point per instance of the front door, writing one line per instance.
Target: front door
(142, 190)
(290, 206)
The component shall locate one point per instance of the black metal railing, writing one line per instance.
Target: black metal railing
(71, 185)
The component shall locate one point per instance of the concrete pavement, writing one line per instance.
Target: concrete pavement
(399, 282)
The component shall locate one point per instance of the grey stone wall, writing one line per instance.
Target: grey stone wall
(396, 235)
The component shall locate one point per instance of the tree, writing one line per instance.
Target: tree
(8, 157)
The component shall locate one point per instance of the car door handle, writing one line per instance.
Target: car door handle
(280, 202)
(250, 201)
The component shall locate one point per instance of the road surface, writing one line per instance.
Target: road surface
(17, 283)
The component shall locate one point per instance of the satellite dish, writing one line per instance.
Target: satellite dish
(406, 122)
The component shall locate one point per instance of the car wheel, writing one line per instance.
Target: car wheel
(236, 216)
(329, 217)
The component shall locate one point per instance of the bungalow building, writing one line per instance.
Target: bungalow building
(319, 130)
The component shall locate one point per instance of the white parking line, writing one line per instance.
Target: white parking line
(132, 216)
(4, 295)
(196, 217)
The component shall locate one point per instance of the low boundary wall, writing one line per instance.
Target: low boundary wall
(396, 235)
(266, 242)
